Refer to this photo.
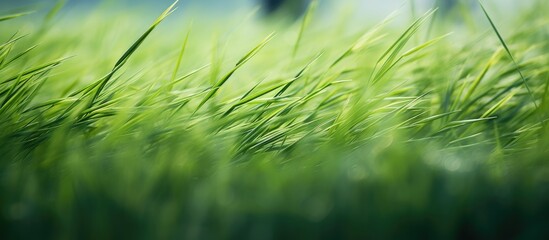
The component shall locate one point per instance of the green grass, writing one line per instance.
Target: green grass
(254, 129)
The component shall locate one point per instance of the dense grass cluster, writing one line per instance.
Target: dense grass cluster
(318, 130)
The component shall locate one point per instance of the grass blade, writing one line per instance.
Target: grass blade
(12, 16)
(131, 50)
(504, 44)
(239, 64)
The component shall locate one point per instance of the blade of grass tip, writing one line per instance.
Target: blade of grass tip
(489, 112)
(179, 58)
(191, 73)
(435, 117)
(306, 21)
(12, 16)
(6, 48)
(291, 81)
(132, 49)
(462, 139)
(423, 45)
(4, 52)
(462, 123)
(19, 55)
(364, 40)
(36, 70)
(138, 43)
(246, 98)
(412, 51)
(234, 29)
(239, 64)
(251, 89)
(498, 105)
(254, 51)
(493, 97)
(504, 44)
(399, 110)
(242, 100)
(12, 40)
(481, 76)
(50, 103)
(392, 52)
(9, 92)
(299, 74)
(405, 36)
(23, 91)
(35, 88)
(433, 21)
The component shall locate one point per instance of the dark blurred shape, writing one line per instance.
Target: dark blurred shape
(272, 5)
(293, 8)
(448, 6)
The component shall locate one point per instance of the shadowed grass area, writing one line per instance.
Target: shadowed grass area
(235, 132)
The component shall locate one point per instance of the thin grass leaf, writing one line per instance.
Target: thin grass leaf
(129, 52)
(12, 16)
(410, 52)
(239, 64)
(298, 75)
(19, 55)
(248, 97)
(11, 40)
(498, 105)
(387, 58)
(509, 54)
(481, 76)
(304, 24)
(36, 70)
(179, 58)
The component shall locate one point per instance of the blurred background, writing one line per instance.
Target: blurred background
(371, 8)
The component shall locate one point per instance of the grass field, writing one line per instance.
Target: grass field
(247, 128)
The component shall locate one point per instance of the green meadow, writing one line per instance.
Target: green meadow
(122, 124)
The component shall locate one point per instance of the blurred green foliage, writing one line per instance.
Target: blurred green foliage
(320, 131)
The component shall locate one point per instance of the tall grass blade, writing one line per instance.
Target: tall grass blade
(12, 16)
(179, 58)
(129, 52)
(239, 64)
(502, 41)
(304, 24)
